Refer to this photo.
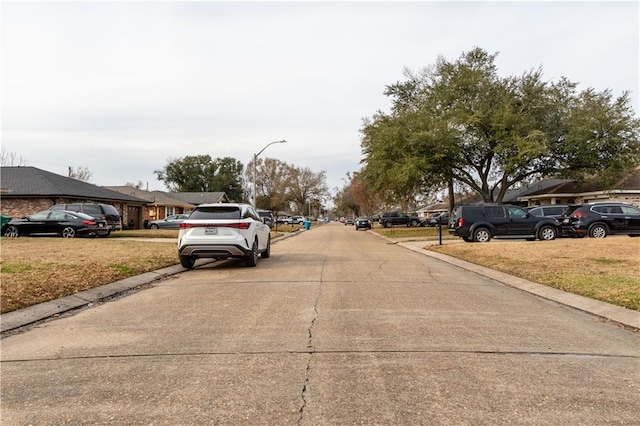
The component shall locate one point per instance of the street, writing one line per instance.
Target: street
(337, 327)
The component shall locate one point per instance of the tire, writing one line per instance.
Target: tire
(598, 230)
(481, 235)
(68, 232)
(154, 226)
(414, 223)
(252, 259)
(267, 253)
(11, 232)
(548, 233)
(467, 239)
(187, 261)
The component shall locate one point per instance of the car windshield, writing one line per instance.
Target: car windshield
(216, 212)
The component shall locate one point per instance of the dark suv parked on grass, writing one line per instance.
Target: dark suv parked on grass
(398, 218)
(97, 210)
(481, 222)
(598, 220)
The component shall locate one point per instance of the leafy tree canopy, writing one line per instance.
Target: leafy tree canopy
(461, 122)
(200, 173)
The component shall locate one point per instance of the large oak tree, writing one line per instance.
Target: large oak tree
(462, 123)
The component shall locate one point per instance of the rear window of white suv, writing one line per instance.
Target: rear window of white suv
(220, 213)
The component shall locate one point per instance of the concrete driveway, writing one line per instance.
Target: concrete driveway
(337, 327)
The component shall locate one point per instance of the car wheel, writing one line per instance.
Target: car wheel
(267, 253)
(598, 231)
(68, 232)
(154, 226)
(252, 259)
(187, 261)
(467, 239)
(548, 233)
(414, 223)
(481, 235)
(11, 232)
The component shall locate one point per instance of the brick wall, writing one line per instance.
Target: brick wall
(24, 207)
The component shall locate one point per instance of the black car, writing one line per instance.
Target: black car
(66, 224)
(598, 220)
(363, 222)
(481, 222)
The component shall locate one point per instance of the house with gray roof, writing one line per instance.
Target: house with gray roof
(159, 204)
(25, 190)
(626, 190)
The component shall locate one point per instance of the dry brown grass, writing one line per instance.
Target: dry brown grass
(604, 269)
(36, 270)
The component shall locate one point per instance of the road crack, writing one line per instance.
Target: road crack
(310, 346)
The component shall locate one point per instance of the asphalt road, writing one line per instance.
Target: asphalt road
(337, 327)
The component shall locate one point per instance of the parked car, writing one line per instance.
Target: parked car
(170, 222)
(396, 218)
(267, 217)
(221, 231)
(296, 220)
(598, 220)
(437, 219)
(97, 210)
(363, 222)
(481, 222)
(66, 224)
(553, 210)
(286, 220)
(349, 221)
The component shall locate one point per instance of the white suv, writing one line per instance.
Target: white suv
(220, 231)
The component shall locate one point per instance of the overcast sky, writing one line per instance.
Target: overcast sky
(121, 88)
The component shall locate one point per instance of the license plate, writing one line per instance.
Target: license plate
(101, 225)
(565, 221)
(210, 231)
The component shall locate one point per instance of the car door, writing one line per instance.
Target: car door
(262, 230)
(496, 216)
(520, 222)
(172, 222)
(56, 222)
(617, 221)
(37, 224)
(632, 214)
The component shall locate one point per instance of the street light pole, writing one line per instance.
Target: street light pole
(255, 165)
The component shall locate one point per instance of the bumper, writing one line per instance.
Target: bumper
(215, 251)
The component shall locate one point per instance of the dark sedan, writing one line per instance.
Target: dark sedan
(66, 224)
